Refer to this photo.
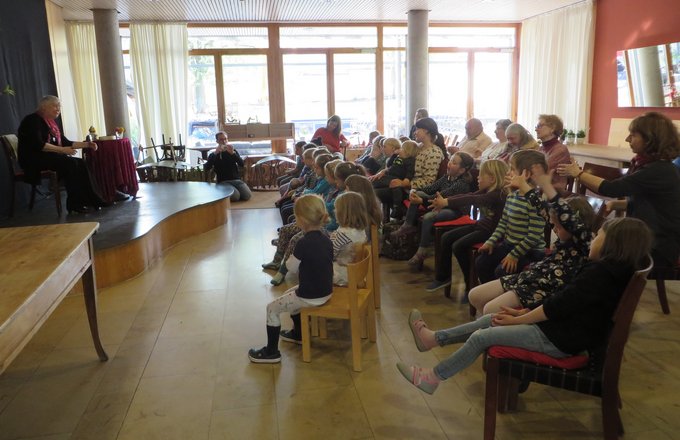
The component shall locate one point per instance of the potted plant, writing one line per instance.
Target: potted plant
(581, 137)
(570, 137)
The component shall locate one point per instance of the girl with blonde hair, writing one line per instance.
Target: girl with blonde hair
(315, 252)
(490, 200)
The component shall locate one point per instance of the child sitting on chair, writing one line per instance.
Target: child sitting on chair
(571, 220)
(519, 237)
(575, 318)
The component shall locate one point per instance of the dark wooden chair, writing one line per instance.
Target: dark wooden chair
(30, 178)
(603, 171)
(507, 368)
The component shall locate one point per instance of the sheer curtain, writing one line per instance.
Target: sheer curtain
(159, 55)
(62, 71)
(555, 66)
(82, 51)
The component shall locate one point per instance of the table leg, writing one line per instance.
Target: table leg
(90, 293)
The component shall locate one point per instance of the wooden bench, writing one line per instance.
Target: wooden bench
(38, 266)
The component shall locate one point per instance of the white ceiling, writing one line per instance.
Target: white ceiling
(322, 11)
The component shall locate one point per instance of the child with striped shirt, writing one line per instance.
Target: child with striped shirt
(519, 237)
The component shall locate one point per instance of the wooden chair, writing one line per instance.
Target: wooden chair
(598, 376)
(354, 303)
(603, 171)
(375, 264)
(32, 179)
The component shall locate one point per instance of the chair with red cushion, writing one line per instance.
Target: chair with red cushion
(597, 375)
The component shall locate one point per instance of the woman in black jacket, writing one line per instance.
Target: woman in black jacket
(42, 146)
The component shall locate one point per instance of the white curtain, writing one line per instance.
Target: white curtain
(555, 66)
(82, 50)
(62, 72)
(159, 55)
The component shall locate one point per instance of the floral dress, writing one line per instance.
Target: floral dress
(544, 277)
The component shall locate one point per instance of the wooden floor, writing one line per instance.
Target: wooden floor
(178, 335)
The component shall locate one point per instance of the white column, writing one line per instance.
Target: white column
(651, 84)
(111, 73)
(416, 63)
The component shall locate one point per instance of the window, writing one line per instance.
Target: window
(394, 90)
(330, 36)
(202, 102)
(448, 92)
(355, 94)
(227, 37)
(471, 37)
(305, 89)
(246, 90)
(492, 88)
(394, 36)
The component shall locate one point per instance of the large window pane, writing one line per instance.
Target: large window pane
(331, 36)
(246, 91)
(202, 111)
(394, 36)
(394, 90)
(304, 78)
(227, 37)
(448, 92)
(492, 88)
(355, 94)
(471, 36)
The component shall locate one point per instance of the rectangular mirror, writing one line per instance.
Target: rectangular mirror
(649, 76)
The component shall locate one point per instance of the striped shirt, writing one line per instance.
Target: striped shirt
(520, 225)
(343, 251)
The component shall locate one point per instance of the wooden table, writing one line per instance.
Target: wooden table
(38, 266)
(113, 168)
(203, 150)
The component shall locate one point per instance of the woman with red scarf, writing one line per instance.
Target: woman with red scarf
(331, 135)
(652, 185)
(42, 146)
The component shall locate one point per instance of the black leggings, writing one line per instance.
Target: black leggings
(458, 242)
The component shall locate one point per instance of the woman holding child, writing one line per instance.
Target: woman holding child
(429, 157)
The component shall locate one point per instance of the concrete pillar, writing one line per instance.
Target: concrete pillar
(111, 73)
(416, 63)
(651, 84)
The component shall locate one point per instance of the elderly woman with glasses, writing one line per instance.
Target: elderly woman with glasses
(548, 130)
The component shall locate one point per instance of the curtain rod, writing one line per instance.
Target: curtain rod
(560, 8)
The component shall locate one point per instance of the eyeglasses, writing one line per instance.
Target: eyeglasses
(539, 125)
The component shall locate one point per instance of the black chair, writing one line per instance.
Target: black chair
(600, 376)
(32, 178)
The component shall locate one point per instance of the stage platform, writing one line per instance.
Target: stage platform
(134, 233)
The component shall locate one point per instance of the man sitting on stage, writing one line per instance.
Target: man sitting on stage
(226, 162)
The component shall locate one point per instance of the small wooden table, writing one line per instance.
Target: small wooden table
(38, 266)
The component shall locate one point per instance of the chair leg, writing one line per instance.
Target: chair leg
(54, 183)
(315, 325)
(372, 332)
(31, 202)
(447, 291)
(491, 398)
(306, 337)
(611, 419)
(661, 291)
(323, 330)
(355, 330)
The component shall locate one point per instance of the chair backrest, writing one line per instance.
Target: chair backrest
(623, 318)
(358, 274)
(603, 171)
(375, 263)
(9, 154)
(600, 210)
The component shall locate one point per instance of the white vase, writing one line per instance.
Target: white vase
(580, 141)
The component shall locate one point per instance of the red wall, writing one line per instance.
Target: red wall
(625, 24)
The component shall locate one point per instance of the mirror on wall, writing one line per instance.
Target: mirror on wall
(649, 76)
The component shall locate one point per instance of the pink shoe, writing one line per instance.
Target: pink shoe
(417, 325)
(423, 378)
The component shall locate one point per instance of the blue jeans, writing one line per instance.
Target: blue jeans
(479, 335)
(429, 219)
(241, 190)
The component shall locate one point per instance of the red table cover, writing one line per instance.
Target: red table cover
(113, 167)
